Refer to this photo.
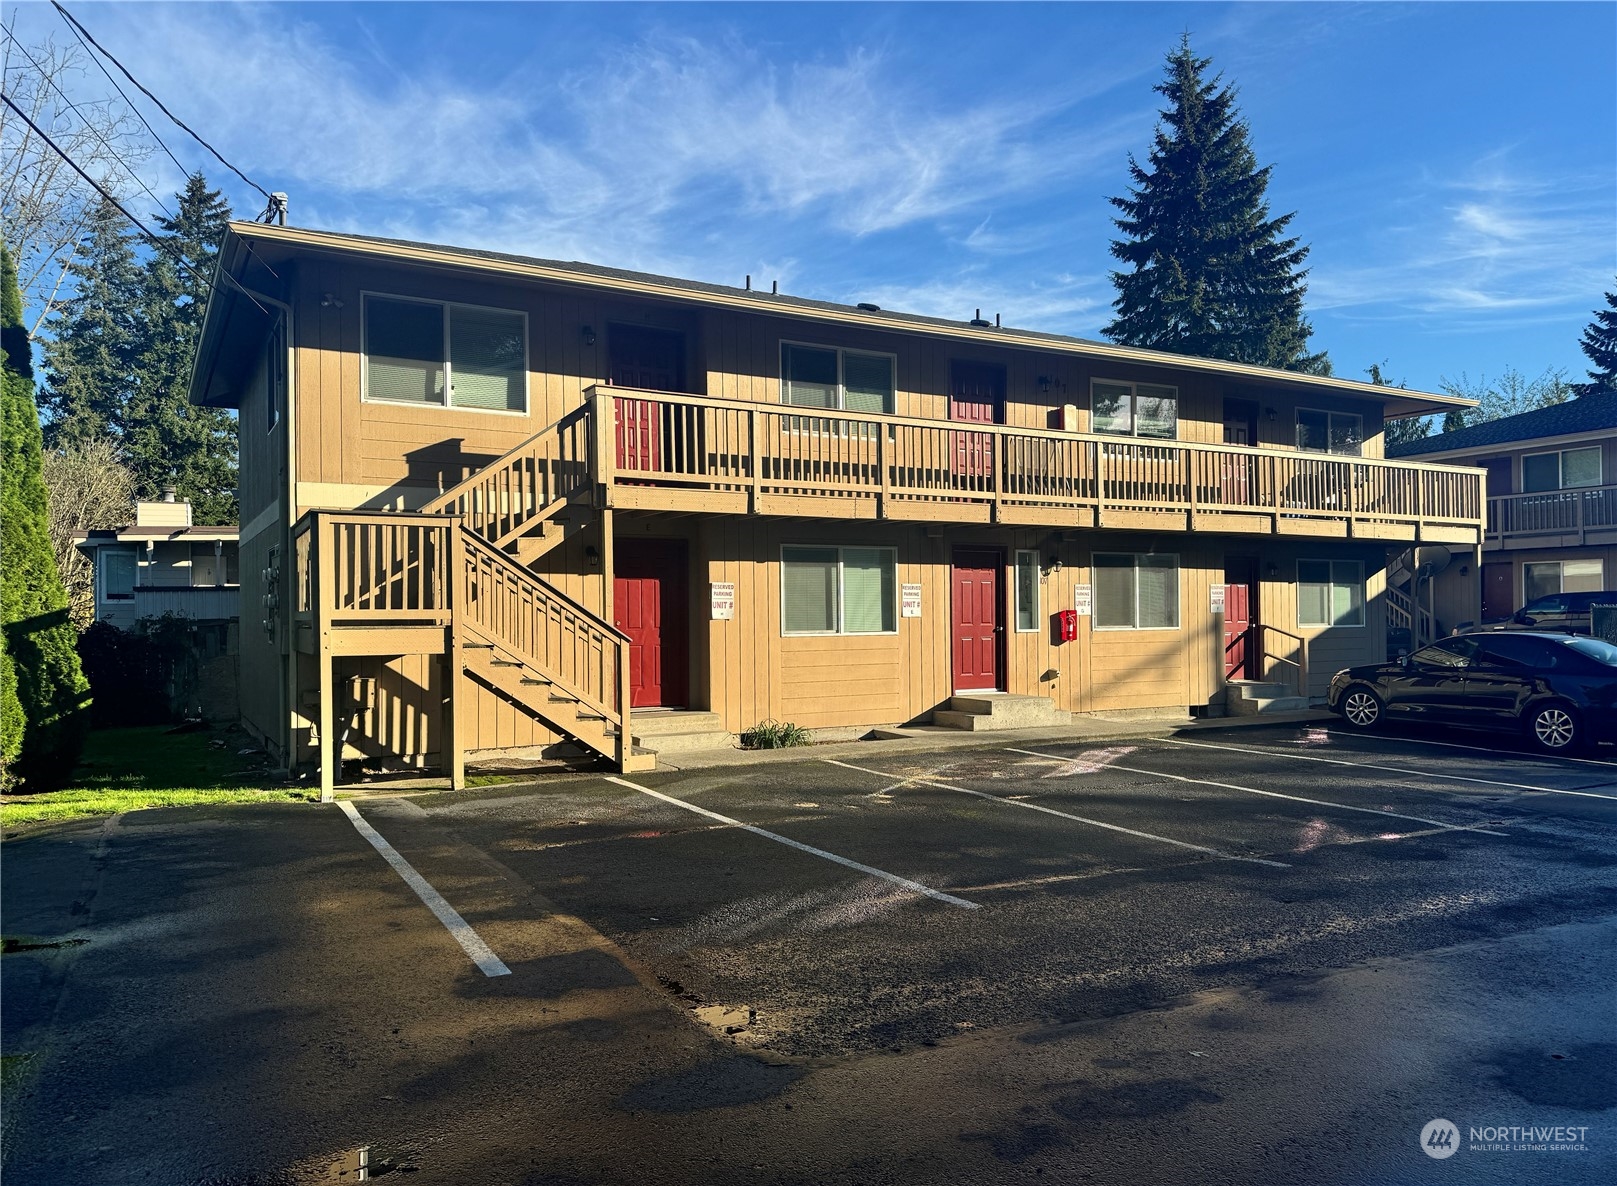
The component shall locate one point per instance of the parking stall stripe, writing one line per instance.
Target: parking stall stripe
(1491, 782)
(1094, 823)
(1230, 786)
(915, 886)
(1481, 749)
(470, 941)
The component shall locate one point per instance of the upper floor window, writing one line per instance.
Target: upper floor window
(829, 377)
(1563, 470)
(1134, 409)
(117, 574)
(1330, 432)
(462, 356)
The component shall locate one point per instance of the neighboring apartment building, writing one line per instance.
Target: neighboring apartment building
(1552, 499)
(162, 564)
(494, 503)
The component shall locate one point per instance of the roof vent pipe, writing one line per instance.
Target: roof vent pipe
(978, 320)
(774, 288)
(749, 281)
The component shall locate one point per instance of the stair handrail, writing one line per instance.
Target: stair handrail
(506, 498)
(613, 699)
(1300, 662)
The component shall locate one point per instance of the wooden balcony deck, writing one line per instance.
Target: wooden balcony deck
(694, 454)
(1553, 518)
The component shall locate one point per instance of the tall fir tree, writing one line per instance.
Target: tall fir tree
(1210, 272)
(42, 668)
(95, 336)
(166, 439)
(1600, 345)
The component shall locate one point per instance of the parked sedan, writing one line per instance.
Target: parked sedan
(1561, 689)
(1571, 612)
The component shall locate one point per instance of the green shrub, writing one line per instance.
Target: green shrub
(773, 734)
(51, 692)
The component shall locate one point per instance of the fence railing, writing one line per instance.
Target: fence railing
(372, 567)
(723, 446)
(1552, 512)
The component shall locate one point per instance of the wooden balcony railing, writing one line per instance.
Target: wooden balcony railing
(358, 567)
(693, 453)
(1554, 516)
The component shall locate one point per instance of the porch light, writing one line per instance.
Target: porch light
(1052, 566)
(588, 334)
(1274, 571)
(1271, 414)
(592, 556)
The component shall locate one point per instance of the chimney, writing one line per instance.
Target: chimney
(170, 493)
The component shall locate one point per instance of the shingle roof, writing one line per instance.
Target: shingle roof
(1588, 413)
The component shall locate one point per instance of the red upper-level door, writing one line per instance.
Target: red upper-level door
(976, 395)
(651, 360)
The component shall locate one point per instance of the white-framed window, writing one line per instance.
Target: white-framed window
(117, 574)
(1542, 578)
(833, 378)
(838, 590)
(1027, 591)
(439, 354)
(1134, 409)
(1330, 432)
(1565, 469)
(1330, 593)
(275, 367)
(1136, 591)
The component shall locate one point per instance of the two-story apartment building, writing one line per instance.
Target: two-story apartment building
(1552, 499)
(161, 563)
(491, 502)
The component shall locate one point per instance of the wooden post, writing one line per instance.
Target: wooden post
(603, 426)
(625, 726)
(1302, 668)
(996, 457)
(755, 445)
(453, 724)
(324, 598)
(608, 566)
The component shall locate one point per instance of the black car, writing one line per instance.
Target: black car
(1560, 688)
(1571, 612)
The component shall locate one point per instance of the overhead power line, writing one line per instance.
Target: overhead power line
(96, 132)
(122, 94)
(180, 123)
(157, 242)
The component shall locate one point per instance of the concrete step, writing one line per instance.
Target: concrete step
(1238, 706)
(675, 731)
(1252, 689)
(978, 712)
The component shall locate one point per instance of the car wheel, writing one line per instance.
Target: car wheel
(1554, 729)
(1361, 707)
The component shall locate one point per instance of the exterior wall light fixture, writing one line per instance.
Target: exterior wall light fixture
(588, 334)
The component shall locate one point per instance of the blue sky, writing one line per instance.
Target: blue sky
(1454, 166)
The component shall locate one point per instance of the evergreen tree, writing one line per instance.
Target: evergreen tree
(166, 439)
(50, 689)
(1600, 344)
(1509, 395)
(1398, 432)
(1211, 274)
(94, 336)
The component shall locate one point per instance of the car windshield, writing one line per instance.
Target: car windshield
(1597, 649)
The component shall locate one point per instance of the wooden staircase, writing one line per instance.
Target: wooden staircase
(453, 579)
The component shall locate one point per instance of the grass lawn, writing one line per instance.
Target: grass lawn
(128, 769)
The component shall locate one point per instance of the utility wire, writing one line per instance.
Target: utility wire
(12, 37)
(159, 102)
(161, 244)
(151, 131)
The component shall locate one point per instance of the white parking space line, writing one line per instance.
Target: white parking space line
(1094, 823)
(470, 941)
(1289, 756)
(915, 886)
(1230, 786)
(1482, 749)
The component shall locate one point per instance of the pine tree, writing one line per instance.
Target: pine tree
(1600, 344)
(51, 694)
(1398, 432)
(166, 439)
(1210, 272)
(94, 336)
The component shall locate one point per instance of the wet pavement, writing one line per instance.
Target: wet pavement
(1268, 954)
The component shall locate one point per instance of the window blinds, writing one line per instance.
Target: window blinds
(404, 348)
(809, 590)
(867, 382)
(487, 367)
(809, 377)
(867, 590)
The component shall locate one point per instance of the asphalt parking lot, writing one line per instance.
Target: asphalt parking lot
(1268, 954)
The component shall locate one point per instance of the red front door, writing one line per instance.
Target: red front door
(979, 621)
(650, 360)
(976, 395)
(649, 604)
(1240, 616)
